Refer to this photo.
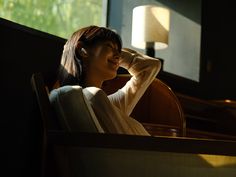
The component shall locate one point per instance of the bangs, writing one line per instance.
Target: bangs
(114, 37)
(99, 34)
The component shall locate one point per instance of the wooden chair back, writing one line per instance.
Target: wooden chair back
(159, 109)
(49, 121)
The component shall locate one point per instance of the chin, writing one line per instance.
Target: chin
(111, 76)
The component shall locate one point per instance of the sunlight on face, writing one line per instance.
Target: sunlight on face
(104, 59)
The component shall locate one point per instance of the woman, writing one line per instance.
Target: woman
(93, 55)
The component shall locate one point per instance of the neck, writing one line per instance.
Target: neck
(92, 82)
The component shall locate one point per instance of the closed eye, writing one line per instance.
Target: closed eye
(110, 46)
(115, 50)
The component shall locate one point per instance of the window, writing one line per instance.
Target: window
(57, 17)
(182, 57)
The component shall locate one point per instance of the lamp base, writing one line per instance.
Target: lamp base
(150, 51)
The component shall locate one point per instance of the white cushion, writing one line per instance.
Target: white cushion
(73, 110)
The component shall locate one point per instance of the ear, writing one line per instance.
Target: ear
(81, 50)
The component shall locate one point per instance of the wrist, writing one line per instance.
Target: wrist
(127, 58)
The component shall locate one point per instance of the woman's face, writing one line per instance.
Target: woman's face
(103, 60)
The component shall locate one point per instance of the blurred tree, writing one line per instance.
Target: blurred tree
(58, 17)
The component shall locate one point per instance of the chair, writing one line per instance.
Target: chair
(99, 154)
(159, 109)
(71, 105)
(165, 117)
(41, 93)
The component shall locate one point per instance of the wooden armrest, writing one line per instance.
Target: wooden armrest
(150, 143)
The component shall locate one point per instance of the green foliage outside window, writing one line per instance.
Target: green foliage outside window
(58, 17)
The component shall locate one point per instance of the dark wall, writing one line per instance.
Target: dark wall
(23, 52)
(218, 50)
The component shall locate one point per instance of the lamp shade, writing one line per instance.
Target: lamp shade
(150, 25)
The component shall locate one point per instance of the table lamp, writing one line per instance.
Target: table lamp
(150, 28)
